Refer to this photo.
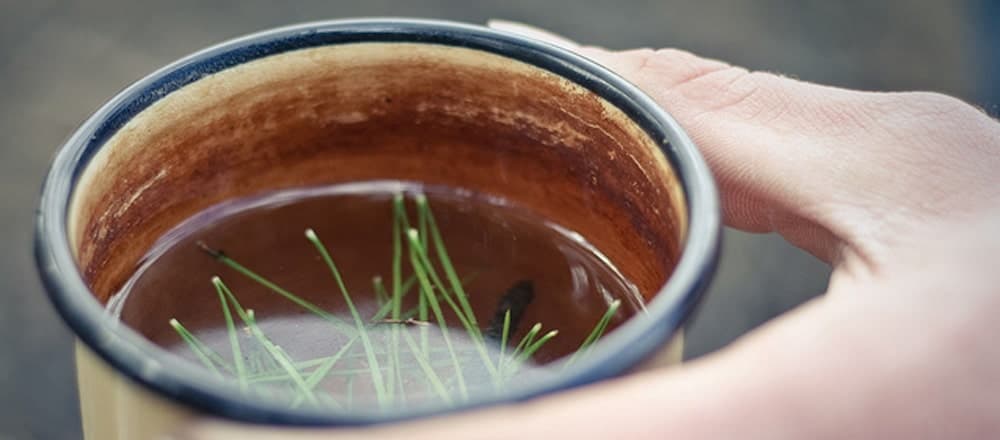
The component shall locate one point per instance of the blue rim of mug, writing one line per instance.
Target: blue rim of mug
(140, 360)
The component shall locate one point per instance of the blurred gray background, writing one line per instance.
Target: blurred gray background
(59, 60)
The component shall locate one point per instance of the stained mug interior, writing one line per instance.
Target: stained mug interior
(346, 101)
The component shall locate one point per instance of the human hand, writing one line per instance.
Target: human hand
(900, 192)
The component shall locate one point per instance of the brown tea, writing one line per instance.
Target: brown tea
(474, 277)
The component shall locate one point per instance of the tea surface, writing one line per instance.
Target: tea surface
(514, 270)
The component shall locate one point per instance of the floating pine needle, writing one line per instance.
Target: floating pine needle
(258, 363)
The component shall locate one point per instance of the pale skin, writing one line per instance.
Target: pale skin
(899, 192)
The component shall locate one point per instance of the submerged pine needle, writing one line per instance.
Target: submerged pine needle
(596, 333)
(220, 256)
(428, 370)
(380, 293)
(428, 293)
(442, 253)
(377, 380)
(435, 279)
(234, 341)
(281, 358)
(387, 309)
(199, 349)
(421, 264)
(504, 335)
(277, 354)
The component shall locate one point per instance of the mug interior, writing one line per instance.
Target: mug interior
(427, 113)
(437, 114)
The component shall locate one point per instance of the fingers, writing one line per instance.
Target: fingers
(837, 172)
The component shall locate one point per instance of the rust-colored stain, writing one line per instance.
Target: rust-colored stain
(426, 113)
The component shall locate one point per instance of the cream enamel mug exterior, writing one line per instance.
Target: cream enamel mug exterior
(125, 177)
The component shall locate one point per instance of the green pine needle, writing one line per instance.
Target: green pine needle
(233, 264)
(435, 279)
(234, 339)
(428, 292)
(596, 333)
(199, 349)
(377, 379)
